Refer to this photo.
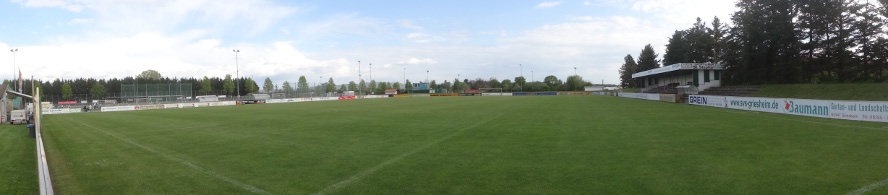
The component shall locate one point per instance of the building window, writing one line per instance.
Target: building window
(705, 75)
(717, 75)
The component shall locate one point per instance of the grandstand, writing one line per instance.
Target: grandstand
(665, 79)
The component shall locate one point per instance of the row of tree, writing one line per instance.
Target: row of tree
(784, 41)
(90, 89)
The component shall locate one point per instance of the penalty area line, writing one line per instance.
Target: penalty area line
(868, 188)
(182, 161)
(371, 170)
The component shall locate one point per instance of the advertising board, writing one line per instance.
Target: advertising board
(118, 108)
(644, 96)
(837, 109)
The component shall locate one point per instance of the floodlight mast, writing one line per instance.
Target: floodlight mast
(359, 78)
(237, 73)
(13, 65)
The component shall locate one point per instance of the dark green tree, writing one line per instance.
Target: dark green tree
(520, 82)
(302, 85)
(629, 67)
(699, 43)
(287, 88)
(647, 59)
(268, 86)
(206, 85)
(717, 33)
(66, 91)
(149, 75)
(250, 85)
(676, 50)
(228, 85)
(764, 43)
(97, 91)
(506, 85)
(363, 86)
(552, 82)
(331, 86)
(353, 86)
(575, 83)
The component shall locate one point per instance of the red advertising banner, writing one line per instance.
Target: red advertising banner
(72, 102)
(346, 97)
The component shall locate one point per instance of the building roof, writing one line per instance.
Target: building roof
(679, 66)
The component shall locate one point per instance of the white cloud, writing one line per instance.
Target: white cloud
(150, 15)
(684, 12)
(181, 39)
(416, 61)
(79, 21)
(582, 18)
(347, 24)
(548, 4)
(424, 38)
(64, 4)
(409, 25)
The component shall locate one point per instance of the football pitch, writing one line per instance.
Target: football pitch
(464, 145)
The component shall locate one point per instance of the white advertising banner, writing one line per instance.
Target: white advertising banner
(325, 98)
(273, 101)
(496, 94)
(644, 96)
(118, 108)
(849, 110)
(374, 96)
(60, 111)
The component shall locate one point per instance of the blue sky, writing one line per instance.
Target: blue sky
(325, 39)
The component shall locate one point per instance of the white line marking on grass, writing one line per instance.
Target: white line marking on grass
(185, 162)
(371, 170)
(869, 187)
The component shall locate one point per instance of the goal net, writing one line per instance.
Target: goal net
(491, 91)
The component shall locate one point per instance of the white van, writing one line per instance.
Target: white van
(20, 116)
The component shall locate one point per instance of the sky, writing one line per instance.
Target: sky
(392, 39)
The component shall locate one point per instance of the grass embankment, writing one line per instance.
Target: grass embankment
(18, 161)
(852, 91)
(462, 145)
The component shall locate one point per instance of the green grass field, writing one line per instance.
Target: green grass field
(463, 145)
(18, 163)
(844, 91)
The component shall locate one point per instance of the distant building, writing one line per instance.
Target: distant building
(601, 88)
(420, 86)
(391, 91)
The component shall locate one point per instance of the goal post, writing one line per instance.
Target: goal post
(492, 91)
